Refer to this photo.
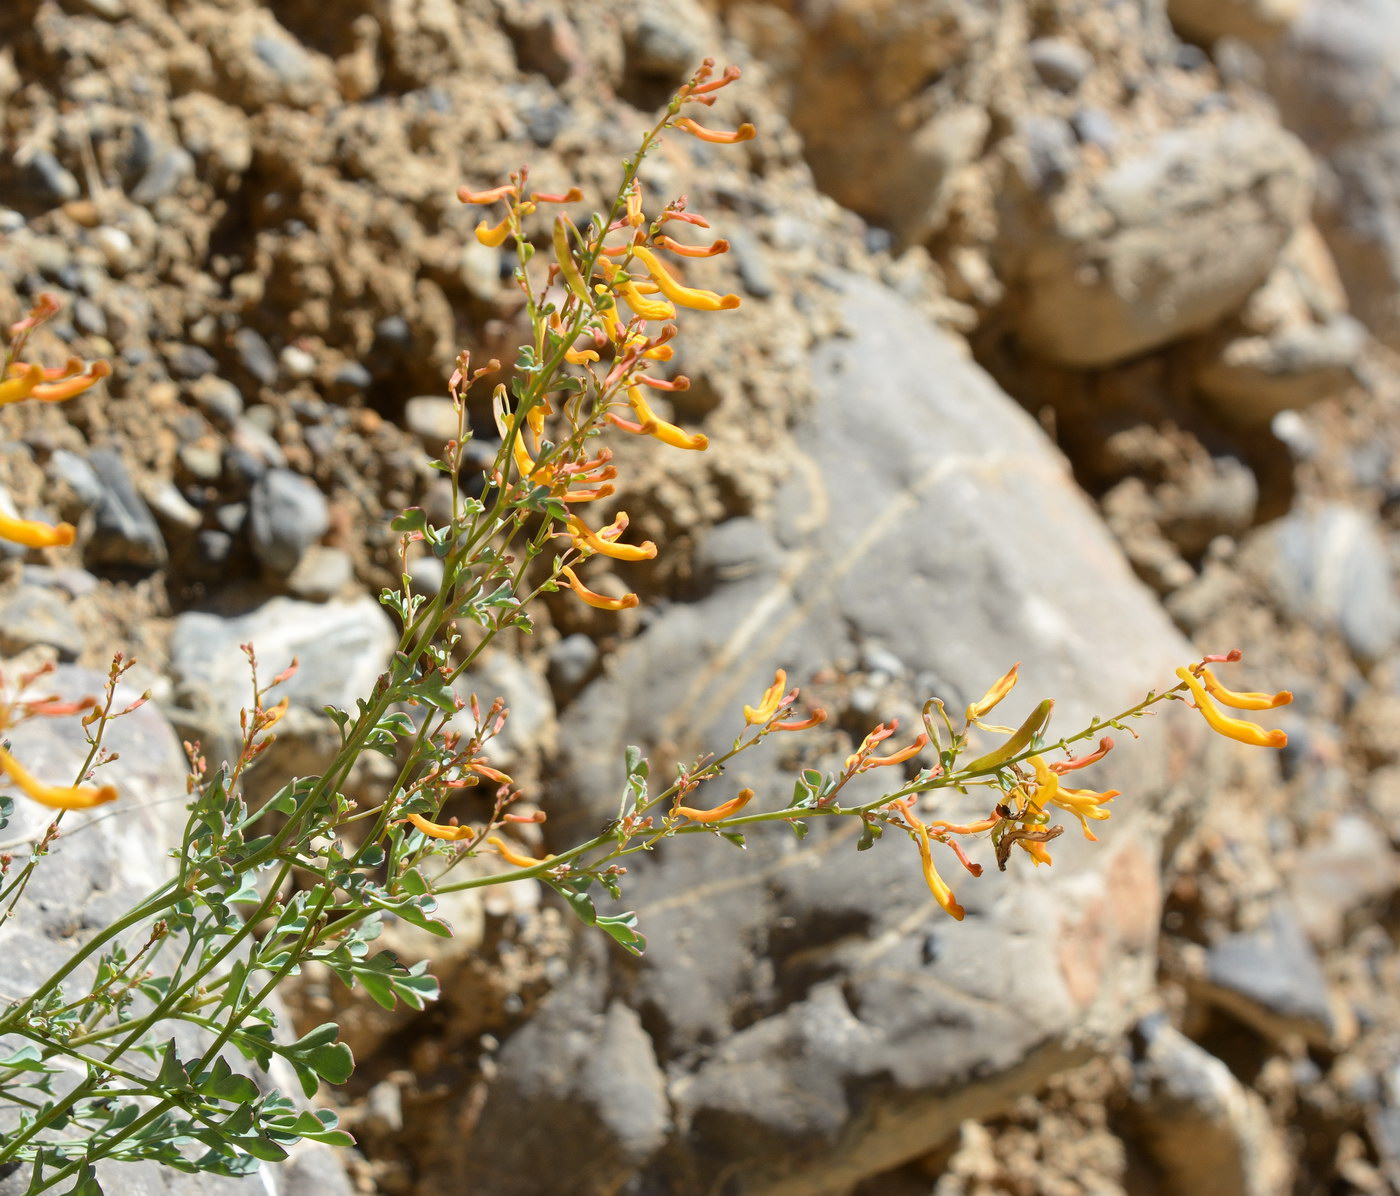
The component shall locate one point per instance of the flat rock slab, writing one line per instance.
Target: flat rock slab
(815, 1017)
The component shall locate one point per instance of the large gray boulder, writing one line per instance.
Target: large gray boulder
(811, 1015)
(1336, 78)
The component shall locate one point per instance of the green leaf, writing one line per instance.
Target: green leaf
(623, 928)
(735, 837)
(575, 893)
(86, 1178)
(172, 1075)
(7, 811)
(868, 834)
(27, 1058)
(798, 828)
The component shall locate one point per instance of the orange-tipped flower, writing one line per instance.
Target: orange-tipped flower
(817, 717)
(439, 830)
(710, 250)
(51, 386)
(491, 196)
(511, 856)
(1064, 766)
(1244, 701)
(936, 884)
(1232, 728)
(57, 797)
(604, 542)
(988, 701)
(1085, 804)
(594, 599)
(674, 291)
(745, 132)
(720, 812)
(493, 235)
(900, 756)
(652, 424)
(34, 534)
(756, 716)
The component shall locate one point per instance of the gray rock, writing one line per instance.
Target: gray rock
(89, 317)
(734, 550)
(817, 1020)
(190, 361)
(73, 470)
(322, 573)
(571, 662)
(432, 418)
(1349, 869)
(297, 363)
(1059, 64)
(287, 514)
(1050, 153)
(1094, 126)
(218, 398)
(1205, 1132)
(171, 506)
(592, 1075)
(284, 56)
(125, 534)
(48, 181)
(426, 573)
(1164, 243)
(354, 376)
(255, 355)
(32, 617)
(170, 167)
(1329, 565)
(1270, 978)
(342, 648)
(1335, 80)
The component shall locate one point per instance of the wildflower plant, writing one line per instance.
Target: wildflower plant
(91, 1066)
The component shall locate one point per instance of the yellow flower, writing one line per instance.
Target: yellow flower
(723, 810)
(936, 884)
(438, 830)
(756, 716)
(593, 598)
(604, 542)
(653, 425)
(58, 797)
(989, 700)
(1232, 728)
(33, 534)
(1244, 701)
(511, 856)
(674, 291)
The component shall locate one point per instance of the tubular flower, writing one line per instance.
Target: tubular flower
(1232, 728)
(1243, 701)
(757, 716)
(57, 797)
(596, 600)
(511, 856)
(629, 292)
(33, 534)
(723, 810)
(51, 386)
(493, 235)
(482, 197)
(936, 884)
(989, 700)
(745, 132)
(438, 830)
(674, 291)
(650, 423)
(1085, 804)
(900, 756)
(711, 250)
(1047, 783)
(604, 542)
(1064, 766)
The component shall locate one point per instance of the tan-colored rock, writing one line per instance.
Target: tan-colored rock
(1165, 243)
(1250, 20)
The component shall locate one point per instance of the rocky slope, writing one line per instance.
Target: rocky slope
(1168, 232)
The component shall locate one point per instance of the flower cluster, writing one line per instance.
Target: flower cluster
(607, 309)
(20, 380)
